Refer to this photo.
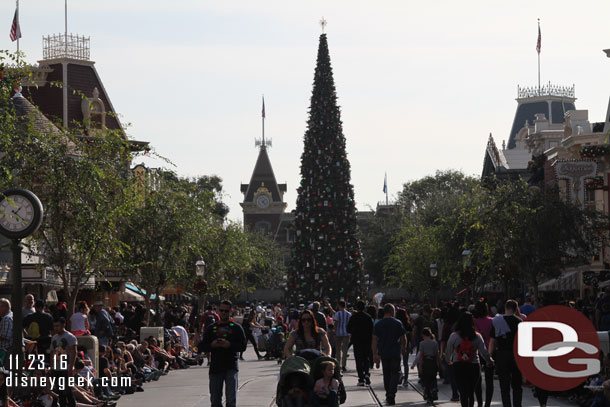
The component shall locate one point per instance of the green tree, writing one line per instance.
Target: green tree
(429, 232)
(519, 233)
(163, 232)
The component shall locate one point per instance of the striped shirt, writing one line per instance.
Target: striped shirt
(341, 319)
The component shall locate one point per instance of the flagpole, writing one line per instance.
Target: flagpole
(66, 26)
(539, 61)
(263, 120)
(18, 31)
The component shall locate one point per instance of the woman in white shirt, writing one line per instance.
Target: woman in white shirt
(79, 322)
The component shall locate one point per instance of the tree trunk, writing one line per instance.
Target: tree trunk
(147, 307)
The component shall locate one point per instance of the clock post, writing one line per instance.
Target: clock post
(17, 305)
(20, 216)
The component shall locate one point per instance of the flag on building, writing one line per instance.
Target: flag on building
(539, 43)
(385, 183)
(15, 29)
(263, 107)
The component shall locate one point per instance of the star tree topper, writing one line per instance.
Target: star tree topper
(323, 24)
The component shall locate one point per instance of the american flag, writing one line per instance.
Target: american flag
(15, 29)
(263, 113)
(539, 43)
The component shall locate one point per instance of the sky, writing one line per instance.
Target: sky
(421, 85)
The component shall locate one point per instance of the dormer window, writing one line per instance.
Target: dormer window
(94, 112)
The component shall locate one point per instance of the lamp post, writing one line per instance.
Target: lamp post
(200, 271)
(434, 278)
(467, 263)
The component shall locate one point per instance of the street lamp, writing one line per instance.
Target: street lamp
(200, 271)
(466, 272)
(200, 266)
(434, 276)
(466, 257)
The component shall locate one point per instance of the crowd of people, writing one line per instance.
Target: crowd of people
(464, 343)
(57, 348)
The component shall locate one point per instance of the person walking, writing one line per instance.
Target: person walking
(341, 319)
(103, 324)
(464, 347)
(502, 336)
(320, 317)
(307, 335)
(6, 328)
(249, 323)
(360, 327)
(452, 316)
(389, 344)
(483, 324)
(429, 364)
(39, 327)
(63, 349)
(224, 340)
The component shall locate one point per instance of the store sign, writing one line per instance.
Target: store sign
(575, 172)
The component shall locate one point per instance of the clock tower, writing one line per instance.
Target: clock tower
(263, 203)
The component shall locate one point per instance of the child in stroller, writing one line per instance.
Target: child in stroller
(275, 345)
(309, 363)
(326, 388)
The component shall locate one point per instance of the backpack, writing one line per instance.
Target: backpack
(34, 330)
(465, 351)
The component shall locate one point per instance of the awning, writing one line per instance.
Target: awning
(142, 292)
(130, 296)
(178, 297)
(565, 282)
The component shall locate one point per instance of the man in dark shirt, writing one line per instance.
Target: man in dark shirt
(39, 326)
(389, 344)
(502, 336)
(320, 318)
(422, 321)
(224, 340)
(360, 326)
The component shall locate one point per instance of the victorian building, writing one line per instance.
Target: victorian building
(551, 144)
(65, 89)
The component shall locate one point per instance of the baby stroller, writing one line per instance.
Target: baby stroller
(302, 371)
(275, 345)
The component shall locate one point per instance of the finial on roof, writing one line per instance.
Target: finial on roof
(503, 145)
(18, 91)
(96, 93)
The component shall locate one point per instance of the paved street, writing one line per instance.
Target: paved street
(257, 384)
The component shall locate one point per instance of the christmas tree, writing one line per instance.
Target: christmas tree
(326, 261)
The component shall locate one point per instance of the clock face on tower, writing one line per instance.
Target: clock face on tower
(262, 201)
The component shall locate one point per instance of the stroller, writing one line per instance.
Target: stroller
(275, 345)
(302, 371)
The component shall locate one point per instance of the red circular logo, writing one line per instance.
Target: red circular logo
(557, 348)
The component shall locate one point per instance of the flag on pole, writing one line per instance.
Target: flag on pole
(15, 29)
(385, 183)
(263, 107)
(539, 43)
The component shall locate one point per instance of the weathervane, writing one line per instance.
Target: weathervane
(323, 24)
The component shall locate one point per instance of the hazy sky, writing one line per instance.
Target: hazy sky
(421, 84)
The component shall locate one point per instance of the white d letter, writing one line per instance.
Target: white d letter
(525, 335)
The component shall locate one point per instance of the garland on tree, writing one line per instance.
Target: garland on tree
(327, 261)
